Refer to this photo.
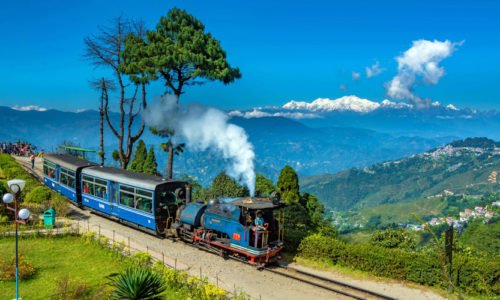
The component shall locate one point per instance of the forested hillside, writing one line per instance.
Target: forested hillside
(468, 168)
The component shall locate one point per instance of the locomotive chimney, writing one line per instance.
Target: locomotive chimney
(188, 193)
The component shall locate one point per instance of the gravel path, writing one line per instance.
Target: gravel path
(230, 274)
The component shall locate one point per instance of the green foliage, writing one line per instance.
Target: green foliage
(179, 51)
(225, 186)
(8, 268)
(68, 289)
(408, 179)
(476, 142)
(185, 287)
(39, 194)
(315, 208)
(484, 239)
(263, 186)
(138, 283)
(393, 238)
(115, 155)
(150, 165)
(420, 267)
(288, 185)
(60, 204)
(137, 164)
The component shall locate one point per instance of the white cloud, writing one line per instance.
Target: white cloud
(373, 70)
(420, 61)
(343, 87)
(355, 75)
(29, 107)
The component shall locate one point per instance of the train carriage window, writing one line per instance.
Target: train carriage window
(144, 200)
(67, 177)
(127, 196)
(64, 179)
(136, 198)
(101, 188)
(88, 185)
(49, 169)
(71, 179)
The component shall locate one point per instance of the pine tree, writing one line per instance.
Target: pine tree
(137, 164)
(225, 186)
(288, 185)
(150, 165)
(263, 186)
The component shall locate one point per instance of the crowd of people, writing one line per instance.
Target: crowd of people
(19, 148)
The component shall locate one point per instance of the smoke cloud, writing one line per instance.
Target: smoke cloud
(421, 61)
(205, 128)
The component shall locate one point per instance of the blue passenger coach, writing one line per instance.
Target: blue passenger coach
(145, 201)
(61, 172)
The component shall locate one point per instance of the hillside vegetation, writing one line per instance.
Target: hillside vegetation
(468, 168)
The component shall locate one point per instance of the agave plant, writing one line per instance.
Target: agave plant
(137, 283)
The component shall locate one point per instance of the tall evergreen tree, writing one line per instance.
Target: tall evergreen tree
(140, 156)
(150, 165)
(263, 186)
(288, 185)
(180, 52)
(225, 186)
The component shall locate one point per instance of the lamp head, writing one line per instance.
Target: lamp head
(8, 198)
(24, 214)
(16, 185)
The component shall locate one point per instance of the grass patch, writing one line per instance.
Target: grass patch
(57, 258)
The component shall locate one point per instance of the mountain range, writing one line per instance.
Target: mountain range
(324, 136)
(399, 118)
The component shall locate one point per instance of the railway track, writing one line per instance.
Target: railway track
(331, 285)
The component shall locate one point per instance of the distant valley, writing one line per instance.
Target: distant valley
(465, 168)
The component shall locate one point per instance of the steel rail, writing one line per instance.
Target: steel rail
(328, 282)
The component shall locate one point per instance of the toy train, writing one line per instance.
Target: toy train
(248, 229)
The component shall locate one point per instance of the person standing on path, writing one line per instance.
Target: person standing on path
(32, 159)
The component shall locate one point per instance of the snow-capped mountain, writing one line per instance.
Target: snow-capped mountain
(322, 107)
(29, 107)
(346, 103)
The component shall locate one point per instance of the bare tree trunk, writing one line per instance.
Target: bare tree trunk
(104, 95)
(170, 160)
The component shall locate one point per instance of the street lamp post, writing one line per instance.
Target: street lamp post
(16, 186)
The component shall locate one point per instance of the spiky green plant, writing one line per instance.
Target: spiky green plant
(137, 283)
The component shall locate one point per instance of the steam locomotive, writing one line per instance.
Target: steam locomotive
(227, 227)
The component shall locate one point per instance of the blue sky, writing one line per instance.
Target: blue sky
(299, 50)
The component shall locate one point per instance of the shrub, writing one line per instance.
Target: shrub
(142, 259)
(469, 275)
(38, 195)
(137, 283)
(8, 269)
(60, 204)
(67, 289)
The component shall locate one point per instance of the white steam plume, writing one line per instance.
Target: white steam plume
(420, 61)
(203, 128)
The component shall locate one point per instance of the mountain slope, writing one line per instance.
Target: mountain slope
(277, 141)
(456, 169)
